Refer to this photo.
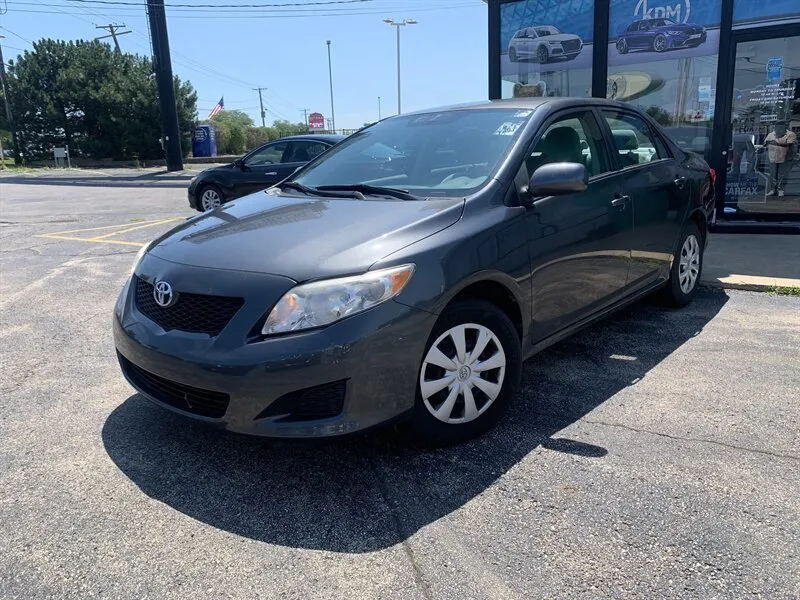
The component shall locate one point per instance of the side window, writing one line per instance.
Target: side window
(573, 138)
(304, 151)
(633, 139)
(268, 155)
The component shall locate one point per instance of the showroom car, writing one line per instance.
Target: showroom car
(362, 291)
(257, 170)
(543, 43)
(659, 35)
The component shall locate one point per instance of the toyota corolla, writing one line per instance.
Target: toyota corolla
(408, 272)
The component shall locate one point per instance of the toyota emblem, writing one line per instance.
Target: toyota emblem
(162, 292)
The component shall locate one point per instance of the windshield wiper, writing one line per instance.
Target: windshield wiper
(372, 190)
(320, 191)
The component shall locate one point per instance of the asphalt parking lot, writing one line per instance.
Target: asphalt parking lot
(656, 455)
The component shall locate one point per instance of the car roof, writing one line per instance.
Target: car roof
(554, 103)
(319, 137)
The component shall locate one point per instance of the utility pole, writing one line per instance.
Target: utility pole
(162, 67)
(305, 115)
(113, 30)
(397, 25)
(9, 118)
(330, 77)
(261, 102)
(379, 108)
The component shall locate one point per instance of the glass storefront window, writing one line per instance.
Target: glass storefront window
(757, 13)
(662, 57)
(546, 48)
(763, 174)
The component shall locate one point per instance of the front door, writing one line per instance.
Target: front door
(579, 243)
(761, 168)
(262, 168)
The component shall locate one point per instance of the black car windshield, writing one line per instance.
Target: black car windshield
(446, 153)
(545, 31)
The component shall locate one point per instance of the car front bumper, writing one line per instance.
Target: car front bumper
(192, 193)
(372, 359)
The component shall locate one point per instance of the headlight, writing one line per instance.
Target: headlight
(323, 302)
(139, 255)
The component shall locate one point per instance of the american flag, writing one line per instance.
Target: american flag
(220, 106)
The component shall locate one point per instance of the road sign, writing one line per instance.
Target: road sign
(316, 121)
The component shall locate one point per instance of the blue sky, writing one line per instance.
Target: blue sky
(444, 57)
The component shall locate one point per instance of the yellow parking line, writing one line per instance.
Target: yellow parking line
(140, 226)
(151, 222)
(93, 241)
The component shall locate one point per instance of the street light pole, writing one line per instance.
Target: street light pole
(9, 118)
(398, 25)
(379, 108)
(330, 78)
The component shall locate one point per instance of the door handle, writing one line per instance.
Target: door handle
(620, 202)
(680, 182)
(271, 173)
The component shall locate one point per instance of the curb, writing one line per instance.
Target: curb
(747, 287)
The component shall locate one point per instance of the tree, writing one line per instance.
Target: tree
(285, 128)
(100, 102)
(232, 127)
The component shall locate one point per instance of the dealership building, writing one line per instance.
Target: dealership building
(722, 76)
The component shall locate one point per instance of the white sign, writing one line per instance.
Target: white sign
(768, 118)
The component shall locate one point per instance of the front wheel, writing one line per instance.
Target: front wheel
(469, 374)
(687, 266)
(660, 43)
(542, 55)
(210, 198)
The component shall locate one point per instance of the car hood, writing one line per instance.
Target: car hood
(561, 37)
(304, 237)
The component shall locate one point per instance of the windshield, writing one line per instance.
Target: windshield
(545, 31)
(447, 153)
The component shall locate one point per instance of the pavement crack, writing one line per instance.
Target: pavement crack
(400, 531)
(691, 439)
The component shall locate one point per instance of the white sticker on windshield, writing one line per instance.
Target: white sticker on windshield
(507, 128)
(522, 113)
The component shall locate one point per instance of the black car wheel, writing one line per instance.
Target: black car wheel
(210, 197)
(512, 54)
(687, 267)
(622, 46)
(542, 55)
(660, 43)
(469, 374)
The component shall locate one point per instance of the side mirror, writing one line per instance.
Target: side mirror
(239, 162)
(556, 179)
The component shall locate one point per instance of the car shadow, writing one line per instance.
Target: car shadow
(372, 491)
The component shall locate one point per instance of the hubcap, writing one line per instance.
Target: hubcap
(210, 199)
(661, 43)
(542, 55)
(689, 266)
(462, 373)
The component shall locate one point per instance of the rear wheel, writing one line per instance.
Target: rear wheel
(210, 198)
(622, 46)
(512, 54)
(469, 374)
(686, 268)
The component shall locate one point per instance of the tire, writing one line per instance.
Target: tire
(622, 46)
(512, 55)
(687, 268)
(474, 320)
(206, 195)
(542, 55)
(660, 43)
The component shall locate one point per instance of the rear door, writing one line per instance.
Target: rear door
(299, 153)
(579, 244)
(659, 195)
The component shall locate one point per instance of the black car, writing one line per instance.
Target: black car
(257, 170)
(408, 272)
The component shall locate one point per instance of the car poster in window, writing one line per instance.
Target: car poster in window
(646, 31)
(546, 47)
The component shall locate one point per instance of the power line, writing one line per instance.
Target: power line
(139, 4)
(16, 35)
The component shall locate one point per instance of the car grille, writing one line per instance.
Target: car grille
(571, 45)
(206, 403)
(319, 402)
(197, 313)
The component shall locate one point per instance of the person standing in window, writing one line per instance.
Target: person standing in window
(780, 148)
